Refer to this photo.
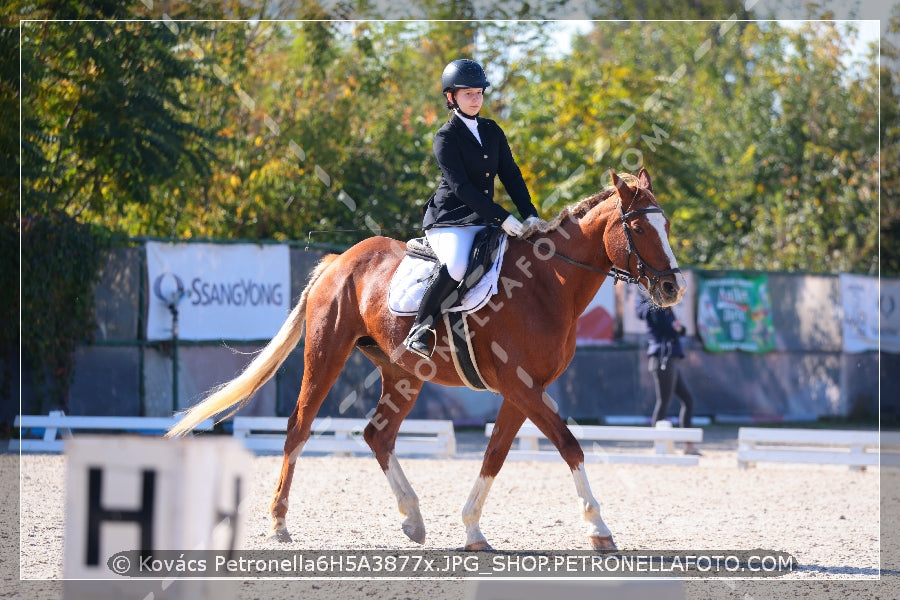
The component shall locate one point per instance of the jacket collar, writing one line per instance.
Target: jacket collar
(457, 121)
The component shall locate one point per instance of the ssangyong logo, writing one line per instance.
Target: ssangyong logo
(239, 293)
(243, 292)
(170, 292)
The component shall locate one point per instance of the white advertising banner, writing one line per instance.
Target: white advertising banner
(221, 291)
(684, 310)
(863, 323)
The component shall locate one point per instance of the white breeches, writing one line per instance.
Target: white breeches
(452, 246)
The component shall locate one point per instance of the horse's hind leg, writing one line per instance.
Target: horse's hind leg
(398, 394)
(320, 371)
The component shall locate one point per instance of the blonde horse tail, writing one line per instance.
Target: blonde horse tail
(240, 389)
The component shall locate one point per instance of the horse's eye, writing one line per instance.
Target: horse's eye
(637, 228)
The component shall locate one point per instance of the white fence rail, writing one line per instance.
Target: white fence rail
(344, 436)
(663, 437)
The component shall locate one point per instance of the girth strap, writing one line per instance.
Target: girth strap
(462, 351)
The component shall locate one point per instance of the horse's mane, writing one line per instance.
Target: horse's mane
(581, 208)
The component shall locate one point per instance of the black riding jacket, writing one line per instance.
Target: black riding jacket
(465, 195)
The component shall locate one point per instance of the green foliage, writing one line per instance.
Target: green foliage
(61, 262)
(113, 122)
(9, 94)
(890, 150)
(765, 157)
(104, 121)
(762, 139)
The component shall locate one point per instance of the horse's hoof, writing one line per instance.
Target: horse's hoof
(415, 532)
(481, 546)
(280, 535)
(603, 543)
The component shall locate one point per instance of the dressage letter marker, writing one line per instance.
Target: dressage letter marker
(147, 495)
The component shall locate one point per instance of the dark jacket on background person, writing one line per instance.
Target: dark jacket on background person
(665, 340)
(465, 195)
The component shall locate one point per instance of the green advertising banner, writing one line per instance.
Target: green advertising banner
(734, 313)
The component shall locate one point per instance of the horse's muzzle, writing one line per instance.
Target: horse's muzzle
(667, 290)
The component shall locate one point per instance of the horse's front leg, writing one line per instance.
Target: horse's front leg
(547, 419)
(543, 414)
(399, 392)
(598, 533)
(509, 420)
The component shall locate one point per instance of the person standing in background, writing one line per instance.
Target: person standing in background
(665, 354)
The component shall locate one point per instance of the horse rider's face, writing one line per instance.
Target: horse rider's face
(469, 100)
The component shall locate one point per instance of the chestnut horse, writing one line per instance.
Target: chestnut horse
(549, 276)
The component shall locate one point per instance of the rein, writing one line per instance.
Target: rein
(617, 273)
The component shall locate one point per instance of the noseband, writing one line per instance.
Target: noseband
(644, 270)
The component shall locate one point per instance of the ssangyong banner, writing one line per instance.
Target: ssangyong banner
(734, 313)
(221, 291)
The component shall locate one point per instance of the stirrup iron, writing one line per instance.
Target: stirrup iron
(415, 344)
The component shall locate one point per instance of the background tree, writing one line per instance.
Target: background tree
(760, 168)
(890, 148)
(113, 122)
(326, 126)
(9, 202)
(103, 122)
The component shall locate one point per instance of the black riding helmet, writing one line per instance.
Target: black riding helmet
(463, 73)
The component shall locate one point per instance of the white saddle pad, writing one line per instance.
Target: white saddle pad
(411, 277)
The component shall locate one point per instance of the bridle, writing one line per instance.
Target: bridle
(642, 267)
(644, 270)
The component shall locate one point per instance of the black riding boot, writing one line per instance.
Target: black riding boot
(438, 296)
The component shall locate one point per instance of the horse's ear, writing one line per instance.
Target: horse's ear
(644, 179)
(624, 191)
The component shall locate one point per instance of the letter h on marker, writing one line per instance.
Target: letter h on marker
(98, 514)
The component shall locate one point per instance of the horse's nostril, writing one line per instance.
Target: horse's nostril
(669, 288)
